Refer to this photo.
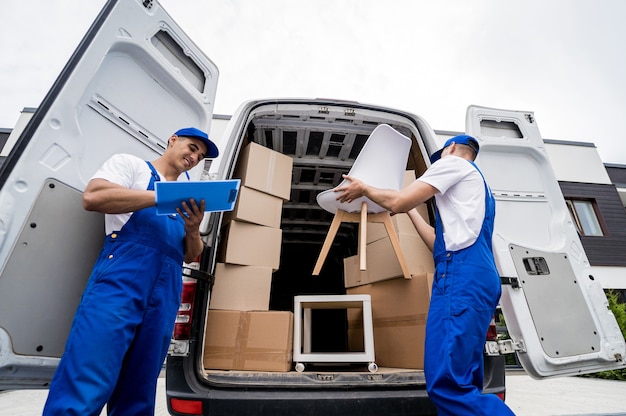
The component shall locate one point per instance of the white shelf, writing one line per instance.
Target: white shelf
(302, 330)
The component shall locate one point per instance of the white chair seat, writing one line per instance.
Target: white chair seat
(328, 200)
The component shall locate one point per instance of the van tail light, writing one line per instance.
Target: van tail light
(182, 325)
(492, 332)
(187, 407)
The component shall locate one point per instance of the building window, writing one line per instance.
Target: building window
(584, 215)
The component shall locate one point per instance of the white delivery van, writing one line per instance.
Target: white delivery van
(133, 80)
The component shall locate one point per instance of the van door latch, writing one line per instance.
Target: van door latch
(513, 281)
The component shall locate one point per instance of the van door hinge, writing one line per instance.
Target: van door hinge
(513, 281)
(178, 348)
(504, 346)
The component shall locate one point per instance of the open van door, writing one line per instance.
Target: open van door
(556, 312)
(134, 79)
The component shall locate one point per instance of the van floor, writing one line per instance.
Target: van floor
(321, 377)
(327, 369)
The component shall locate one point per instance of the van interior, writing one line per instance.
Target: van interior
(323, 144)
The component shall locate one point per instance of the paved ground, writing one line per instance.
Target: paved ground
(565, 396)
(571, 396)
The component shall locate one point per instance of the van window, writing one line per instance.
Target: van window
(172, 51)
(496, 128)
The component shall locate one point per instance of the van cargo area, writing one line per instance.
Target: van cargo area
(287, 154)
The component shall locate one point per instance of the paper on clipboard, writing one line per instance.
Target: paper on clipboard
(217, 195)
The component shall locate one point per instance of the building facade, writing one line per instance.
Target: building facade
(596, 197)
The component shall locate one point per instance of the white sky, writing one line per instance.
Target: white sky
(563, 59)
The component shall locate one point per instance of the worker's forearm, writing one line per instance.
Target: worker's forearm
(193, 246)
(389, 199)
(117, 200)
(424, 229)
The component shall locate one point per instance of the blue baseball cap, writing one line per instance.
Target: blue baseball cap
(211, 149)
(460, 139)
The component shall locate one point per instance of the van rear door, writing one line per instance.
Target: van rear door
(555, 311)
(134, 79)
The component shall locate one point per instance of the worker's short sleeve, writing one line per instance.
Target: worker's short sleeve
(460, 201)
(126, 170)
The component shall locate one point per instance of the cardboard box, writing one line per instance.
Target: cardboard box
(399, 312)
(382, 262)
(241, 288)
(401, 223)
(258, 340)
(256, 207)
(251, 245)
(265, 170)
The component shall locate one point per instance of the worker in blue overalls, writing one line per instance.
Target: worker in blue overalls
(123, 325)
(466, 287)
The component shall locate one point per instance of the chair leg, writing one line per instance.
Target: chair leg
(332, 232)
(363, 237)
(395, 242)
(362, 218)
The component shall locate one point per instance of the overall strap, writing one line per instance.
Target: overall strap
(476, 167)
(155, 174)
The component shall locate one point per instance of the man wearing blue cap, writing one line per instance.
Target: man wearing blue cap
(466, 287)
(123, 325)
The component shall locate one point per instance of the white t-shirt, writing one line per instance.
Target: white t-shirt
(461, 200)
(129, 171)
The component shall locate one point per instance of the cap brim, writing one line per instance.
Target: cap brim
(212, 150)
(436, 156)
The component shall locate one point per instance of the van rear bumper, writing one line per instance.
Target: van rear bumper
(217, 400)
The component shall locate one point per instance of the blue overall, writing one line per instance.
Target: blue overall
(123, 325)
(465, 293)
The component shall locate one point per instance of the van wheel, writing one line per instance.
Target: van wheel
(299, 367)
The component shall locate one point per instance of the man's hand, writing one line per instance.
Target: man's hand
(351, 191)
(192, 214)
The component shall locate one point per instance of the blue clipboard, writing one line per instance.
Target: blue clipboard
(217, 195)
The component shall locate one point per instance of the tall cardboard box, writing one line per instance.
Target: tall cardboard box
(253, 340)
(256, 207)
(251, 245)
(382, 263)
(242, 288)
(265, 170)
(399, 312)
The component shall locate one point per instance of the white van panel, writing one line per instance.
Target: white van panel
(134, 80)
(557, 315)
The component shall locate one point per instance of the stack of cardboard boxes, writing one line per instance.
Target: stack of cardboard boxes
(241, 332)
(399, 305)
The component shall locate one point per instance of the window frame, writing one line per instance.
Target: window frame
(576, 215)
